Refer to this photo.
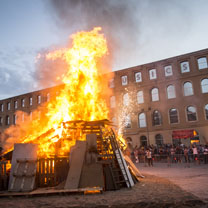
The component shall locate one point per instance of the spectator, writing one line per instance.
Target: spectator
(149, 157)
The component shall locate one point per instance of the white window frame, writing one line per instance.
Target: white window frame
(185, 67)
(8, 106)
(23, 102)
(204, 87)
(142, 121)
(202, 63)
(138, 76)
(124, 80)
(39, 99)
(31, 101)
(152, 74)
(15, 104)
(2, 107)
(187, 113)
(127, 121)
(188, 92)
(168, 70)
(126, 99)
(140, 97)
(158, 97)
(171, 92)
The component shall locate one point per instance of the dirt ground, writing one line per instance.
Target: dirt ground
(152, 191)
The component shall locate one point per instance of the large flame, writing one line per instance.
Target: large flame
(79, 98)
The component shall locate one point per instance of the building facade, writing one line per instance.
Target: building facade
(161, 102)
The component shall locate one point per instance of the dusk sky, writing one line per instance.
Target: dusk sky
(139, 32)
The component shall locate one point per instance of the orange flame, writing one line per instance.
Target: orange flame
(79, 98)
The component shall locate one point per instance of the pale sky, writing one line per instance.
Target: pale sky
(142, 31)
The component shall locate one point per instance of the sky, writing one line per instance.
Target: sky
(138, 32)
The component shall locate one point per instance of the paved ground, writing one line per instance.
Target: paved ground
(162, 187)
(193, 179)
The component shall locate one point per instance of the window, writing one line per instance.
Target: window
(171, 92)
(204, 85)
(2, 107)
(113, 102)
(159, 140)
(127, 121)
(173, 115)
(168, 70)
(124, 80)
(143, 141)
(15, 104)
(111, 83)
(185, 67)
(126, 99)
(7, 120)
(155, 94)
(23, 117)
(31, 101)
(206, 111)
(8, 106)
(140, 97)
(191, 113)
(48, 97)
(157, 120)
(39, 99)
(14, 119)
(188, 89)
(23, 102)
(1, 121)
(152, 74)
(31, 116)
(202, 63)
(142, 120)
(138, 77)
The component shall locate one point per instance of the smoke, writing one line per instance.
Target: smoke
(135, 29)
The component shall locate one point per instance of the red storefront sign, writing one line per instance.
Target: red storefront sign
(183, 134)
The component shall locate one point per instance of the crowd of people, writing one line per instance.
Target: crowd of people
(170, 154)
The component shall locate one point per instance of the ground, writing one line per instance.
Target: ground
(175, 186)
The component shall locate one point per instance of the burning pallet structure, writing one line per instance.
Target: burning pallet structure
(97, 161)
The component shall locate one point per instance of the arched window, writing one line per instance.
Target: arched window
(155, 94)
(127, 121)
(159, 140)
(191, 113)
(173, 115)
(142, 120)
(204, 85)
(206, 111)
(156, 118)
(112, 101)
(126, 99)
(143, 141)
(202, 63)
(171, 91)
(140, 97)
(188, 89)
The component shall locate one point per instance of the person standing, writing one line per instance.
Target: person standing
(149, 157)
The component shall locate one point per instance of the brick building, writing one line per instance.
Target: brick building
(161, 102)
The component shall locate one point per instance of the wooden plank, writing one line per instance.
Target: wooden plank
(92, 176)
(133, 167)
(21, 152)
(77, 156)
